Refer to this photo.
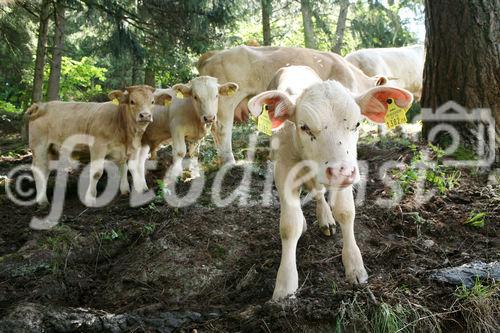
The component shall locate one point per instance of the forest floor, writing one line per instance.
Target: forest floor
(202, 268)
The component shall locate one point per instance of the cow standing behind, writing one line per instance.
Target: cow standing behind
(404, 64)
(317, 130)
(254, 67)
(186, 119)
(108, 130)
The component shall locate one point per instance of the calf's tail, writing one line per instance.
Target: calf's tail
(31, 114)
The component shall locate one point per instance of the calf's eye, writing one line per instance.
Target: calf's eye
(132, 102)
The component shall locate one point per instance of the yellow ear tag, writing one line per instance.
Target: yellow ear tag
(230, 92)
(264, 124)
(115, 101)
(167, 102)
(179, 95)
(395, 115)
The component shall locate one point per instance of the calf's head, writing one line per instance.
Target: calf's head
(204, 92)
(326, 117)
(138, 101)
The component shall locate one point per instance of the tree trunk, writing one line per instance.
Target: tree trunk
(266, 21)
(339, 32)
(309, 38)
(462, 62)
(43, 26)
(149, 77)
(55, 68)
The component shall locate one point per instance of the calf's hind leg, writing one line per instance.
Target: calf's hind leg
(40, 169)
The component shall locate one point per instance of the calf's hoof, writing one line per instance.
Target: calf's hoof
(328, 230)
(282, 294)
(357, 276)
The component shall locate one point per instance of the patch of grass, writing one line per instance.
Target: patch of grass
(60, 242)
(464, 154)
(479, 306)
(111, 235)
(149, 229)
(430, 169)
(358, 315)
(389, 318)
(476, 219)
(419, 222)
(335, 289)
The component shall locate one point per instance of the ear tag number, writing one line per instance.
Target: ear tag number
(115, 101)
(264, 124)
(179, 95)
(167, 102)
(395, 115)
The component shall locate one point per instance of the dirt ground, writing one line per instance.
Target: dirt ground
(158, 268)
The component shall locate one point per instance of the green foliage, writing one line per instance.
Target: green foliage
(389, 319)
(80, 80)
(6, 107)
(421, 166)
(378, 25)
(476, 219)
(477, 290)
(111, 235)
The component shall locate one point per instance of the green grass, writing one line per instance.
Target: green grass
(112, 235)
(479, 306)
(389, 319)
(476, 219)
(430, 169)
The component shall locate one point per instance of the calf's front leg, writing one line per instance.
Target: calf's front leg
(124, 185)
(178, 153)
(193, 153)
(344, 212)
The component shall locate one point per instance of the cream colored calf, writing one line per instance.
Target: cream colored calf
(317, 128)
(186, 119)
(405, 64)
(109, 130)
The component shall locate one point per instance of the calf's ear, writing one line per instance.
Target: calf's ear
(374, 102)
(278, 105)
(182, 90)
(228, 89)
(119, 95)
(163, 99)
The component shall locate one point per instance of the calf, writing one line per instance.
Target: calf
(186, 119)
(317, 128)
(109, 130)
(405, 64)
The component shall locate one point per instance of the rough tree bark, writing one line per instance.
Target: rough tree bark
(43, 29)
(463, 60)
(57, 52)
(267, 9)
(341, 22)
(309, 37)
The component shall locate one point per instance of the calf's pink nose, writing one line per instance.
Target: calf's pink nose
(341, 175)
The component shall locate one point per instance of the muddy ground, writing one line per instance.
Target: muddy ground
(158, 268)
